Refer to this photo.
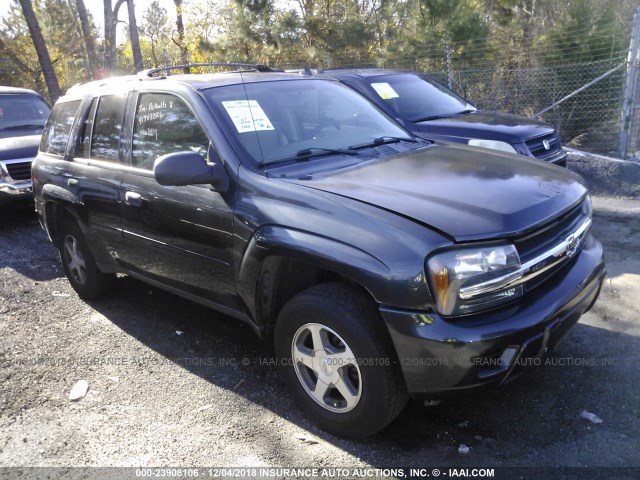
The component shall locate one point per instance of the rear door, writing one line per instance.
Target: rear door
(180, 237)
(95, 173)
(52, 160)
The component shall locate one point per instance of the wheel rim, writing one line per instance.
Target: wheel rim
(75, 260)
(326, 367)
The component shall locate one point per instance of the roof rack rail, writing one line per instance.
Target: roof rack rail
(254, 66)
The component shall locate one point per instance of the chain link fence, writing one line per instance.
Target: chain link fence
(634, 135)
(591, 119)
(600, 115)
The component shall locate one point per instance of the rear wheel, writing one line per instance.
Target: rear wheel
(338, 360)
(79, 266)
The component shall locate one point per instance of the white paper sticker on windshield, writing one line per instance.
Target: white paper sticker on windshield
(247, 116)
(385, 90)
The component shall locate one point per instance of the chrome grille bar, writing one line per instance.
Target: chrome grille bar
(534, 267)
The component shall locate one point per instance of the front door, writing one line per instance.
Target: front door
(178, 236)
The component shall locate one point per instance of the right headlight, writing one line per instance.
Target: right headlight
(492, 144)
(472, 278)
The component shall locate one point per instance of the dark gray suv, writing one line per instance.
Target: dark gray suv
(382, 265)
(23, 114)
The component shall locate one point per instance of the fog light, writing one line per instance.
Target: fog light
(507, 356)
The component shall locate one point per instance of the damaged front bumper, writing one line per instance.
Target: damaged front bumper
(440, 356)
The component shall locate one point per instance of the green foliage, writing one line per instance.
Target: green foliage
(515, 55)
(588, 39)
(19, 65)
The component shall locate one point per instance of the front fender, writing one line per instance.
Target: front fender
(347, 260)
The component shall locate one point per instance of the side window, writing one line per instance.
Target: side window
(84, 135)
(105, 139)
(164, 124)
(58, 127)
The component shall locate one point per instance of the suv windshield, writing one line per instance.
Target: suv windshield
(22, 112)
(417, 98)
(281, 120)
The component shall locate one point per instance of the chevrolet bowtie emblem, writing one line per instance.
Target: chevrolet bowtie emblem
(572, 245)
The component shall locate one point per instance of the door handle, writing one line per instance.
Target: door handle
(72, 182)
(133, 199)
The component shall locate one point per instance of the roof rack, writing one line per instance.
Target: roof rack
(253, 66)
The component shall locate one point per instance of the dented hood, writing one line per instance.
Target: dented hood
(467, 193)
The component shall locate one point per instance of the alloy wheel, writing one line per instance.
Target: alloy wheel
(75, 260)
(326, 367)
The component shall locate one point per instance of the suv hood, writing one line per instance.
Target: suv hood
(19, 147)
(465, 192)
(486, 125)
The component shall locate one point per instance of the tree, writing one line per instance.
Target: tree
(110, 25)
(23, 67)
(87, 35)
(41, 49)
(135, 40)
(155, 28)
(110, 28)
(184, 51)
(60, 28)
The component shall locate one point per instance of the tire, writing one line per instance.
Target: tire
(347, 398)
(79, 266)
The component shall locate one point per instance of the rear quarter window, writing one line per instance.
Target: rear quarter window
(56, 132)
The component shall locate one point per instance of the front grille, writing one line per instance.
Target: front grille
(547, 237)
(19, 171)
(537, 145)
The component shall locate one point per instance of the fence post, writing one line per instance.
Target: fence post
(447, 55)
(165, 54)
(628, 100)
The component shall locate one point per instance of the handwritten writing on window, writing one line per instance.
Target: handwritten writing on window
(149, 132)
(153, 106)
(150, 116)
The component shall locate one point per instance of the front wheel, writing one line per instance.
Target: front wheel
(79, 266)
(338, 360)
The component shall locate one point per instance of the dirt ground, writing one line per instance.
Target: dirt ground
(209, 395)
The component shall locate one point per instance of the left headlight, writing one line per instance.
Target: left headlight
(492, 144)
(462, 279)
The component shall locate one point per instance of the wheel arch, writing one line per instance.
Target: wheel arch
(58, 203)
(279, 262)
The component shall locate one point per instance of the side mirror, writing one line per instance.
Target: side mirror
(189, 168)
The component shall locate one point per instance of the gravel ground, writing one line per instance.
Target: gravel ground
(175, 384)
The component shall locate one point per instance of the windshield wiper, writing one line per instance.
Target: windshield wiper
(389, 139)
(433, 117)
(385, 139)
(305, 153)
(312, 151)
(446, 115)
